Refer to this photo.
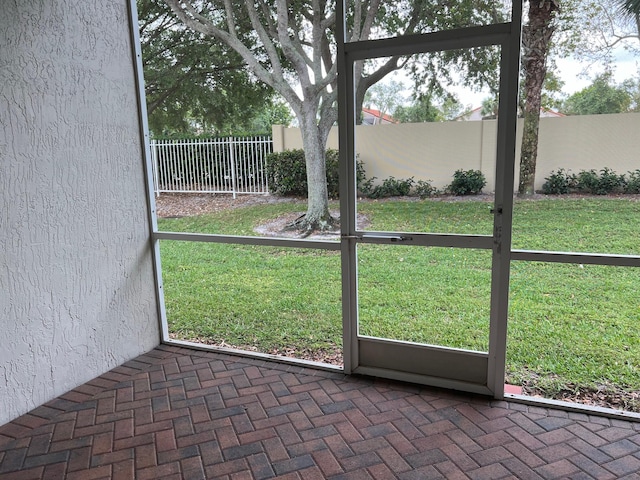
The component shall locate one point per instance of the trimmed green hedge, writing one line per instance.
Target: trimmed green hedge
(467, 182)
(286, 173)
(604, 182)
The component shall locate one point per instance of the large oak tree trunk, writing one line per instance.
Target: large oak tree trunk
(536, 38)
(314, 140)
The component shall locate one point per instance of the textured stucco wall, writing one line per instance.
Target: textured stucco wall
(76, 280)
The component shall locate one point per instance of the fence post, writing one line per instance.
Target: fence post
(266, 151)
(232, 158)
(155, 166)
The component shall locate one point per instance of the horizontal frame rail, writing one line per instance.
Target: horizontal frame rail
(247, 240)
(574, 257)
(425, 239)
(469, 37)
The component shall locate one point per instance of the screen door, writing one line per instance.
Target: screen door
(425, 290)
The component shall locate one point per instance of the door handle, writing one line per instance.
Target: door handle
(390, 238)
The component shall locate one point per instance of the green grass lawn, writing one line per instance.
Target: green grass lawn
(569, 325)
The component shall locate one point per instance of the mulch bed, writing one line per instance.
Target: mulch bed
(176, 205)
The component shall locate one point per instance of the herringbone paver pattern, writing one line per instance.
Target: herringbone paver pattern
(181, 414)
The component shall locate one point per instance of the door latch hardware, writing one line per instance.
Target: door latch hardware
(401, 238)
(390, 238)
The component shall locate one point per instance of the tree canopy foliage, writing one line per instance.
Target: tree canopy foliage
(194, 85)
(427, 109)
(392, 98)
(386, 97)
(603, 96)
(596, 29)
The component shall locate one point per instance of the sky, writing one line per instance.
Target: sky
(571, 71)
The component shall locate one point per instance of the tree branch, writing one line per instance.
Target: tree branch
(194, 20)
(291, 51)
(266, 40)
(372, 13)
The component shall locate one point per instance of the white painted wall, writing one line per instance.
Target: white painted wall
(76, 280)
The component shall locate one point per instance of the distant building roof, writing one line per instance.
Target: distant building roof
(371, 116)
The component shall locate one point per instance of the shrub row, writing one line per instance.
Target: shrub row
(286, 173)
(469, 182)
(604, 182)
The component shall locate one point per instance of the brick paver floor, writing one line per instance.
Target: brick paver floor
(175, 413)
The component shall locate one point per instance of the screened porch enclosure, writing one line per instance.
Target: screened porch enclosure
(465, 293)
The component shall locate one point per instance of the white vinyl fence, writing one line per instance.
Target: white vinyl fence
(218, 165)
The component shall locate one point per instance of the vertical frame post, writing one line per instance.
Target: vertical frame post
(146, 157)
(347, 184)
(503, 208)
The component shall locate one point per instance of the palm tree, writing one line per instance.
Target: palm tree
(536, 37)
(632, 7)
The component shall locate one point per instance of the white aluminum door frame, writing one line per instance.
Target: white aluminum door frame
(507, 36)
